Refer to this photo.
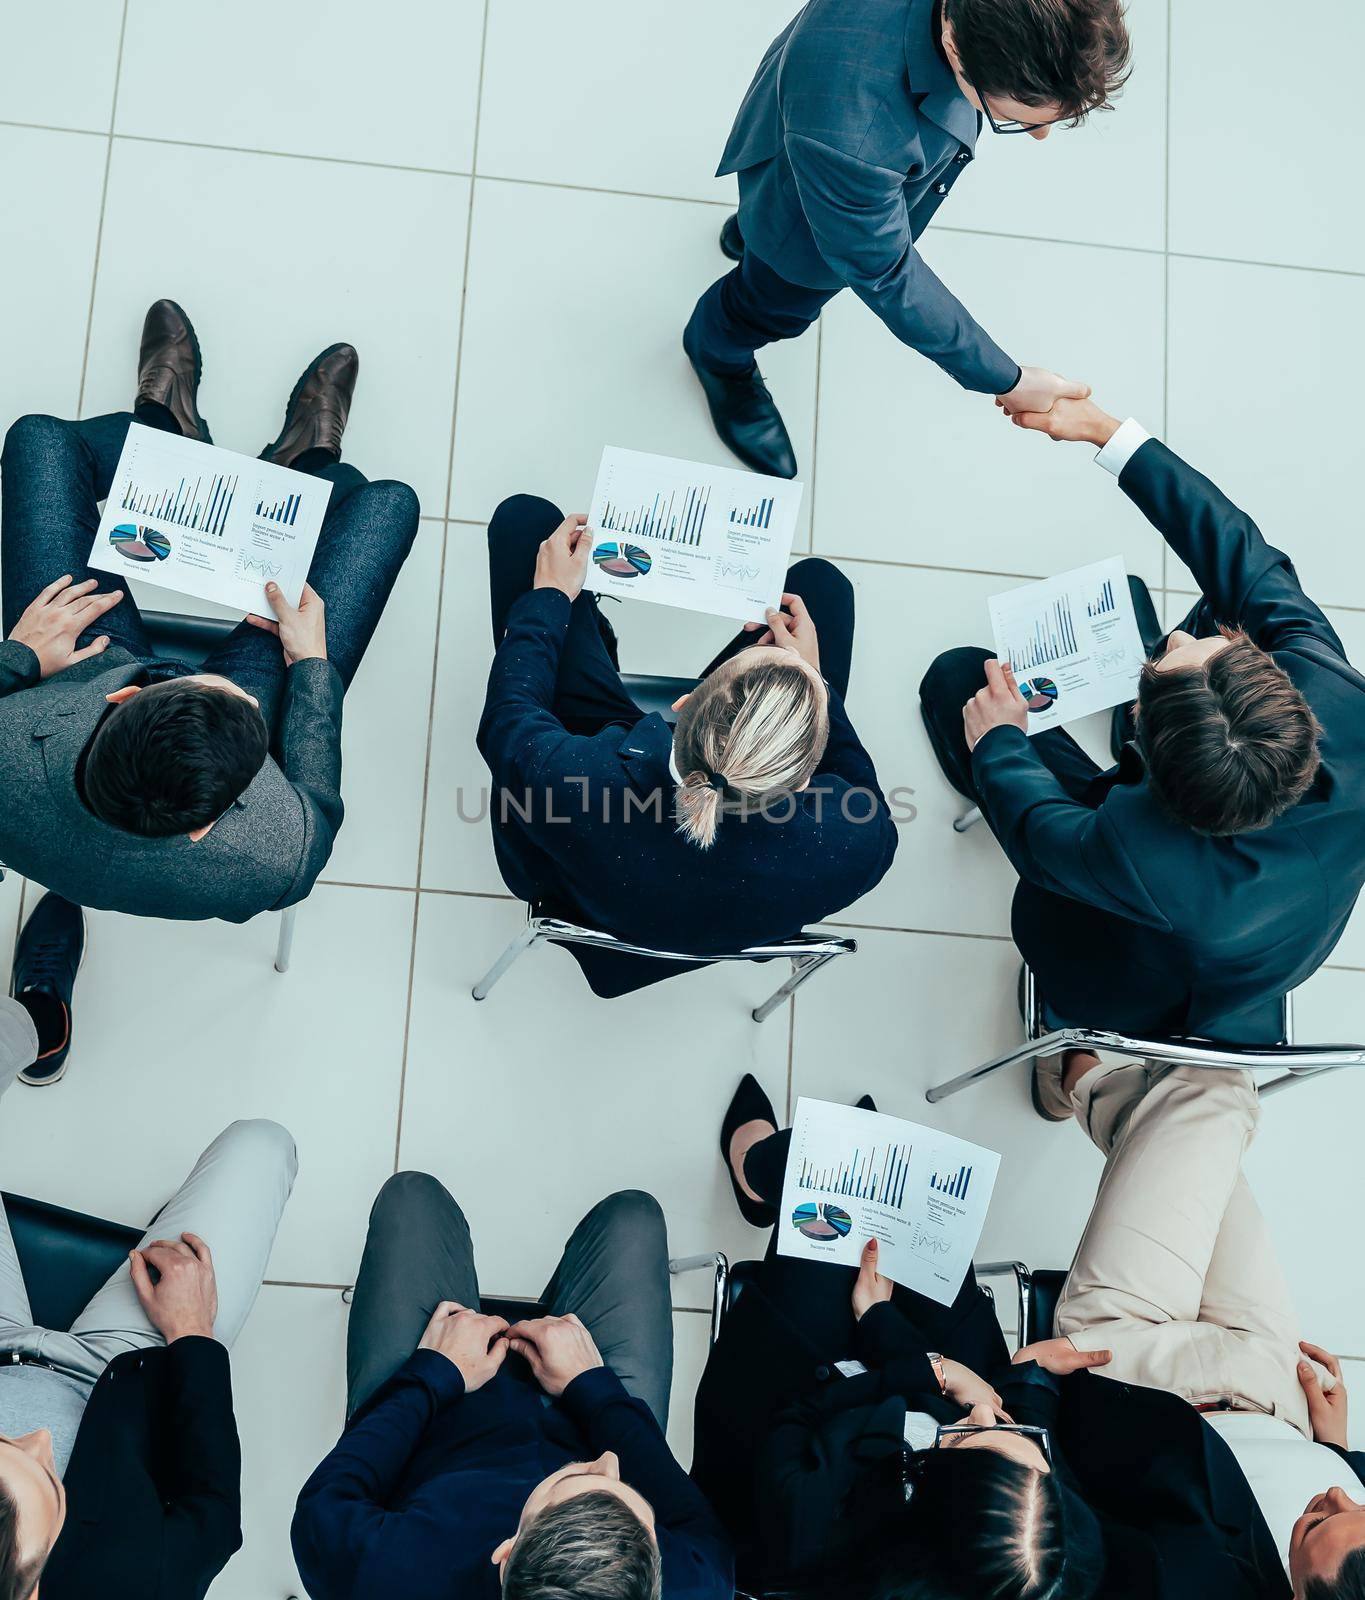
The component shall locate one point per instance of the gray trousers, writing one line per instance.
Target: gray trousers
(233, 1199)
(613, 1275)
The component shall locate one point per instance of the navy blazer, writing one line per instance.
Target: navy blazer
(851, 135)
(427, 1481)
(586, 825)
(1236, 920)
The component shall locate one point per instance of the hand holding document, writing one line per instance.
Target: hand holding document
(683, 533)
(856, 1175)
(188, 516)
(1072, 641)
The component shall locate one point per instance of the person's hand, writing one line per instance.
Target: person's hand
(869, 1287)
(1069, 421)
(963, 1385)
(1326, 1407)
(302, 631)
(1061, 1357)
(557, 1349)
(468, 1340)
(790, 630)
(998, 705)
(1038, 390)
(63, 611)
(183, 1301)
(562, 562)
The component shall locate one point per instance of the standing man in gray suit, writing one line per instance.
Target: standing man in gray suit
(134, 783)
(862, 116)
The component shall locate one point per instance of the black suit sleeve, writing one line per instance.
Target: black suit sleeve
(18, 668)
(1246, 581)
(887, 1340)
(202, 1487)
(1355, 1459)
(310, 757)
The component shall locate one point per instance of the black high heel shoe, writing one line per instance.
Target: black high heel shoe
(865, 1103)
(750, 1104)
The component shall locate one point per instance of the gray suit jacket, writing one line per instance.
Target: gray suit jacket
(264, 854)
(849, 139)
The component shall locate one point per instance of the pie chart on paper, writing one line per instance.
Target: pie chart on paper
(621, 560)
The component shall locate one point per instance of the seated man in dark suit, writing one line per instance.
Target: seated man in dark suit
(759, 814)
(120, 1470)
(1213, 869)
(483, 1459)
(132, 783)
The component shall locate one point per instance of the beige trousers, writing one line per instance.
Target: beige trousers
(1176, 1272)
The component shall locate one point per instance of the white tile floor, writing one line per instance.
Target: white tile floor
(513, 240)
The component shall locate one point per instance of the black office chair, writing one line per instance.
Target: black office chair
(176, 636)
(66, 1256)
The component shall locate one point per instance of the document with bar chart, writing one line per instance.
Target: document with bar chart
(207, 522)
(1073, 642)
(686, 534)
(857, 1175)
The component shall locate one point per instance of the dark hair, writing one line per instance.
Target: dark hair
(17, 1576)
(1229, 745)
(982, 1526)
(592, 1547)
(1069, 53)
(1349, 1583)
(173, 758)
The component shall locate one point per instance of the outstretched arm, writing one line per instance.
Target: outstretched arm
(1247, 582)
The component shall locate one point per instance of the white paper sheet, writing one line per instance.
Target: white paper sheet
(207, 522)
(683, 533)
(1073, 642)
(855, 1175)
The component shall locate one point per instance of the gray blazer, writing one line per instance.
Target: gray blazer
(848, 141)
(264, 854)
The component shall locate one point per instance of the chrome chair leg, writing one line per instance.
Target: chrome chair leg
(968, 819)
(803, 967)
(1045, 1046)
(527, 937)
(284, 948)
(1289, 1079)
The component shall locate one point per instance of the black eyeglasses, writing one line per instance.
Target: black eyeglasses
(1011, 126)
(1040, 1436)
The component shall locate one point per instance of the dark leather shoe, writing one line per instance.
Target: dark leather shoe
(746, 418)
(731, 239)
(47, 958)
(315, 417)
(169, 366)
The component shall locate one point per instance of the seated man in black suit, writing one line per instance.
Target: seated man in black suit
(758, 815)
(1213, 869)
(486, 1459)
(826, 1394)
(120, 1470)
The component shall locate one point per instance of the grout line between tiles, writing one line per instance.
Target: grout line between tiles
(99, 225)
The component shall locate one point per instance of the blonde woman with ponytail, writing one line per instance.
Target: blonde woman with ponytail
(758, 815)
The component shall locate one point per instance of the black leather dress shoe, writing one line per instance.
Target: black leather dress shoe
(1122, 724)
(316, 415)
(746, 418)
(169, 367)
(47, 958)
(731, 239)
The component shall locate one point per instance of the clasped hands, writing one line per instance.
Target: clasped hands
(557, 1349)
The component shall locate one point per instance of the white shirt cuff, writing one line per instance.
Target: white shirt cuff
(1123, 447)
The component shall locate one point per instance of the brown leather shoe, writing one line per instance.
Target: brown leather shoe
(169, 367)
(315, 417)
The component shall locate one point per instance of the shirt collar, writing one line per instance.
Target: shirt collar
(673, 769)
(931, 79)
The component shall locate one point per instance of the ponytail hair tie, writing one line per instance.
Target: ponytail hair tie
(719, 783)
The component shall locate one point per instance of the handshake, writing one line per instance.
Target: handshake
(557, 1349)
(1042, 402)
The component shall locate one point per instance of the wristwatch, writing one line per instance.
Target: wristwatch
(940, 1372)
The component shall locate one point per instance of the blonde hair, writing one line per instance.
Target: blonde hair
(749, 731)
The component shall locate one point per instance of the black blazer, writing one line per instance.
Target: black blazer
(569, 842)
(1271, 904)
(154, 1482)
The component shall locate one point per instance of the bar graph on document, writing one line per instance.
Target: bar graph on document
(757, 515)
(877, 1173)
(285, 511)
(202, 504)
(1040, 640)
(677, 515)
(1103, 603)
(953, 1184)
